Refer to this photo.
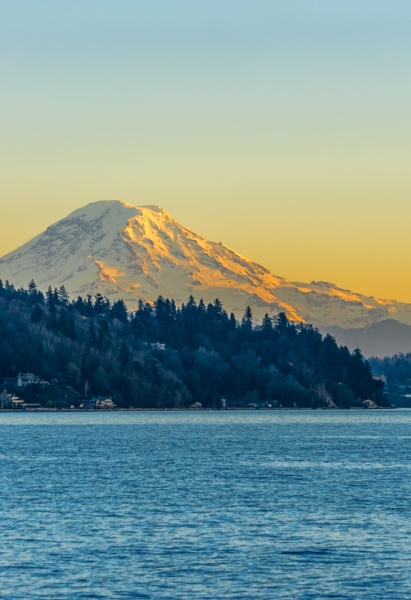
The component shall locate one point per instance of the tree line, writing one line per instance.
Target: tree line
(166, 356)
(397, 368)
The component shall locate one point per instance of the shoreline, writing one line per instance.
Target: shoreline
(111, 410)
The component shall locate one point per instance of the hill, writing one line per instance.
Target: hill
(168, 356)
(384, 338)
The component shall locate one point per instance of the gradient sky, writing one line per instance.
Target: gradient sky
(281, 129)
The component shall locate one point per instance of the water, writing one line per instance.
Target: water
(205, 505)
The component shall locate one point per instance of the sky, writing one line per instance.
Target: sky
(281, 129)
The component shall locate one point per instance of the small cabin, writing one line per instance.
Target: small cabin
(105, 404)
(196, 406)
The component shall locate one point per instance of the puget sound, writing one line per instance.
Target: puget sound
(205, 504)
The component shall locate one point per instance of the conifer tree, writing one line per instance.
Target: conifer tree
(119, 311)
(32, 288)
(63, 296)
(49, 297)
(247, 320)
(233, 322)
(267, 324)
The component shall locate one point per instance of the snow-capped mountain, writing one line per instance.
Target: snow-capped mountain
(132, 252)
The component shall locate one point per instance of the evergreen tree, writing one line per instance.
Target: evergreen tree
(50, 297)
(98, 305)
(89, 306)
(247, 320)
(233, 322)
(267, 324)
(32, 288)
(281, 322)
(63, 296)
(119, 311)
(80, 306)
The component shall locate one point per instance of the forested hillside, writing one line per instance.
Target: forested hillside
(168, 356)
(397, 372)
(396, 368)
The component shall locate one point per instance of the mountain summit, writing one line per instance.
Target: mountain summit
(133, 252)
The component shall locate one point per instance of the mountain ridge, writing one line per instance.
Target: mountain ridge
(131, 252)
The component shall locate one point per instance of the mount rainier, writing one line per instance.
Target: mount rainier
(133, 252)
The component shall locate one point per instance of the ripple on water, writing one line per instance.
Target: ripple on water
(289, 504)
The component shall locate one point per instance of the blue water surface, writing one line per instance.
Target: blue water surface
(187, 505)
